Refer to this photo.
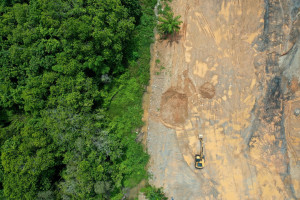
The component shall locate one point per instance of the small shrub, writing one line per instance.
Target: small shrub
(153, 193)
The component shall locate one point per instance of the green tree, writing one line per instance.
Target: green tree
(28, 157)
(169, 24)
(134, 9)
(1, 181)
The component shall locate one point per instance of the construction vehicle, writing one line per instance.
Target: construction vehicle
(200, 158)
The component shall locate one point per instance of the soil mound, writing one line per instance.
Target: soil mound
(174, 107)
(207, 90)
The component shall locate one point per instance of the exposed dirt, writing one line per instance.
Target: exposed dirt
(174, 107)
(232, 75)
(207, 90)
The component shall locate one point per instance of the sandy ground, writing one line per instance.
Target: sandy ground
(219, 78)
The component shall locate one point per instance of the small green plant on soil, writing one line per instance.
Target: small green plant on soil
(160, 70)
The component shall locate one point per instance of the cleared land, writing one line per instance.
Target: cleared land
(220, 77)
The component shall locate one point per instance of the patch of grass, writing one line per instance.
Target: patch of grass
(125, 99)
(128, 94)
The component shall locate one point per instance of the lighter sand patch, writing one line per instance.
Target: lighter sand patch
(225, 10)
(229, 92)
(253, 82)
(200, 69)
(252, 36)
(214, 80)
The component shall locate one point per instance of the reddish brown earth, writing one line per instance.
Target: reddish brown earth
(207, 90)
(177, 103)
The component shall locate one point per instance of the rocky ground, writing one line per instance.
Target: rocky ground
(232, 74)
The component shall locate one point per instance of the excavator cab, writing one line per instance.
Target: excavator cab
(199, 158)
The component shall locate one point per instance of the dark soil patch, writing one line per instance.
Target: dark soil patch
(174, 107)
(207, 90)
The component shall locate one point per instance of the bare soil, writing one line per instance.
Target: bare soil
(174, 107)
(231, 75)
(207, 90)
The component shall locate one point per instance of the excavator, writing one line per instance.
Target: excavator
(200, 158)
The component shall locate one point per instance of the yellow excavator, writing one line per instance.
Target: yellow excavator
(199, 158)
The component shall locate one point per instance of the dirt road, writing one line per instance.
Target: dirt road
(224, 77)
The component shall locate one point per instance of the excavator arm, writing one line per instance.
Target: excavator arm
(199, 158)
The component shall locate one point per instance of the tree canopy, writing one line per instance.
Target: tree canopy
(168, 23)
(71, 83)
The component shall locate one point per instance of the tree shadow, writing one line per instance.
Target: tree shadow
(171, 39)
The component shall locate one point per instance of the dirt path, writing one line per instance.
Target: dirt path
(212, 80)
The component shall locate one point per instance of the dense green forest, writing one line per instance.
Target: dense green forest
(72, 77)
